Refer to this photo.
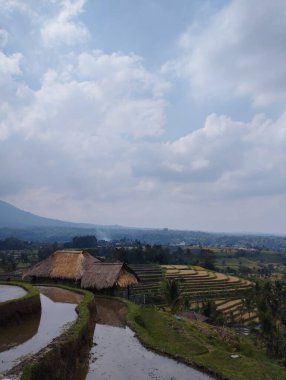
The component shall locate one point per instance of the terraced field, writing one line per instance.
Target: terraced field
(198, 284)
(235, 311)
(150, 276)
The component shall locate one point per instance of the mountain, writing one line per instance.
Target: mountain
(27, 226)
(13, 217)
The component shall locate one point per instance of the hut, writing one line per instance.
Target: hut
(84, 270)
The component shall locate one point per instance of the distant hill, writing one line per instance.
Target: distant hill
(27, 226)
(13, 217)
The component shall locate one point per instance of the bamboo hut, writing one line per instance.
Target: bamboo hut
(83, 269)
(106, 275)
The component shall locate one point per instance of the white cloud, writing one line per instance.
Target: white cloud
(3, 38)
(10, 64)
(223, 159)
(87, 129)
(75, 134)
(64, 28)
(13, 5)
(240, 51)
(9, 68)
(120, 97)
(120, 69)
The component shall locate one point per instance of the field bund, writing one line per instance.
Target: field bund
(13, 310)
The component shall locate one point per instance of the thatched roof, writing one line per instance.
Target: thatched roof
(81, 266)
(63, 265)
(106, 275)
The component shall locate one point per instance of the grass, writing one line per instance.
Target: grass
(202, 346)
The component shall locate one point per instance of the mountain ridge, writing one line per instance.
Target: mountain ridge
(24, 225)
(14, 217)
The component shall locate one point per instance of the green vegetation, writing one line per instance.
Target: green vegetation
(269, 299)
(255, 262)
(88, 241)
(172, 293)
(202, 346)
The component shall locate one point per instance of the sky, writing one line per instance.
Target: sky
(154, 113)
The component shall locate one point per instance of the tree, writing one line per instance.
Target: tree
(276, 344)
(211, 311)
(87, 241)
(9, 263)
(248, 303)
(208, 259)
(172, 293)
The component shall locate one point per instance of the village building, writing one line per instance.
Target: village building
(83, 270)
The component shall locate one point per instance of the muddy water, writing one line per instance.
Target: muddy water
(42, 329)
(18, 333)
(60, 295)
(9, 292)
(118, 355)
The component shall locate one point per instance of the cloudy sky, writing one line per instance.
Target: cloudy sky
(154, 113)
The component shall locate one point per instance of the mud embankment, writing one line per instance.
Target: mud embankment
(13, 310)
(61, 357)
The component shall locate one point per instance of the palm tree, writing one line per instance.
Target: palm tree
(172, 293)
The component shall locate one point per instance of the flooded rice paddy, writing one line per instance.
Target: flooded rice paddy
(37, 331)
(9, 292)
(118, 355)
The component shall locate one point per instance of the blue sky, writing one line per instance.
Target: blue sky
(153, 114)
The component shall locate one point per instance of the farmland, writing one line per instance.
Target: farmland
(197, 285)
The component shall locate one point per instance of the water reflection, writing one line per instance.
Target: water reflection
(118, 355)
(110, 312)
(18, 333)
(60, 295)
(54, 316)
(9, 292)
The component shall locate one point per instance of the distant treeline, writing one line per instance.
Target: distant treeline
(148, 236)
(147, 254)
(14, 244)
(135, 252)
(132, 253)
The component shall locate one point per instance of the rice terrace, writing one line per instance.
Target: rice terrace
(197, 285)
(75, 306)
(142, 190)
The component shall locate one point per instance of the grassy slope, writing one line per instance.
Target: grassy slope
(202, 346)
